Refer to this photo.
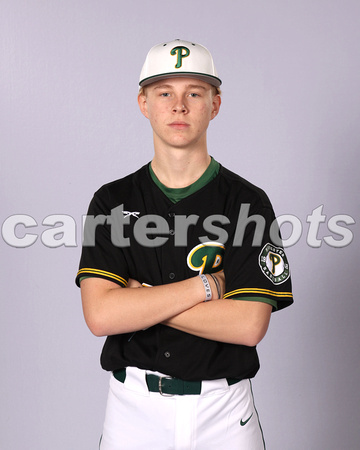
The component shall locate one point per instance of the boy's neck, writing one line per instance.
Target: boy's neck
(179, 168)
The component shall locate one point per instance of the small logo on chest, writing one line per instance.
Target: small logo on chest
(129, 213)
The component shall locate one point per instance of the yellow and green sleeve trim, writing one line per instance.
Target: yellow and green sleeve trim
(89, 272)
(259, 295)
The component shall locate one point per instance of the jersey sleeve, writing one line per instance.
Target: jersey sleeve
(100, 257)
(255, 264)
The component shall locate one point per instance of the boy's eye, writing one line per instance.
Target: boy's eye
(193, 94)
(164, 94)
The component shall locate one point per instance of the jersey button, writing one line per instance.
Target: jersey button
(171, 275)
(171, 232)
(167, 354)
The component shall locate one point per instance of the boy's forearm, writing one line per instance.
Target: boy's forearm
(110, 309)
(232, 321)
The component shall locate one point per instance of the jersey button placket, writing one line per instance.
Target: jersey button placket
(171, 216)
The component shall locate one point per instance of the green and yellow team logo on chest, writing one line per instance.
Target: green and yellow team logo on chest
(206, 258)
(273, 263)
(181, 53)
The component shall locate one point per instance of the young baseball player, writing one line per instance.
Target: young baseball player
(181, 268)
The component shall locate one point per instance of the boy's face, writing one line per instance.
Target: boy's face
(179, 110)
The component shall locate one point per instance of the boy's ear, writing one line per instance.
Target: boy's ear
(143, 104)
(216, 106)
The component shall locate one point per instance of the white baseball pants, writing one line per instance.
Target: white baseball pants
(222, 417)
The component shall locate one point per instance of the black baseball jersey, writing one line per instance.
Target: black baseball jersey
(133, 230)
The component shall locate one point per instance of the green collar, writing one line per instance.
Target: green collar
(177, 194)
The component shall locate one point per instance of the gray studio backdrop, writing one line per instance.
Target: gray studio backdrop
(70, 122)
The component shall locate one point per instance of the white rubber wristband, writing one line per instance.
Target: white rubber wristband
(207, 287)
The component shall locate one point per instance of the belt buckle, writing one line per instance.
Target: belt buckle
(164, 394)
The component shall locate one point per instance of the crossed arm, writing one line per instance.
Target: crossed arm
(110, 309)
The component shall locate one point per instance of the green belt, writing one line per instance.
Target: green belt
(168, 385)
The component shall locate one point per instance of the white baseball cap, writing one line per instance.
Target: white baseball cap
(179, 58)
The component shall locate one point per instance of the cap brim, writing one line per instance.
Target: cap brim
(214, 81)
